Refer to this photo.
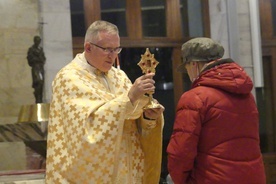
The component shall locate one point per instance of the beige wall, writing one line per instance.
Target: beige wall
(19, 24)
(16, 35)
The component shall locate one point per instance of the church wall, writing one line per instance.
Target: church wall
(234, 16)
(20, 22)
(16, 35)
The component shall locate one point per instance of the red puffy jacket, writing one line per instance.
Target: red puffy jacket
(216, 130)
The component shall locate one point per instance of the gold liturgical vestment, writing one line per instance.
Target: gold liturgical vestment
(95, 134)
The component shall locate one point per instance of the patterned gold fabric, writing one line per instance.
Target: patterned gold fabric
(95, 134)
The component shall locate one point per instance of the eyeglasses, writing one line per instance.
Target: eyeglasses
(108, 50)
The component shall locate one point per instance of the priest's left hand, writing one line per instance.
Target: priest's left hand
(154, 113)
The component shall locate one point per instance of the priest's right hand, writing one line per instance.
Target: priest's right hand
(141, 86)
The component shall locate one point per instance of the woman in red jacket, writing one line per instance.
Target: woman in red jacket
(216, 130)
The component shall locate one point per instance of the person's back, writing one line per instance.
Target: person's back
(228, 146)
(216, 130)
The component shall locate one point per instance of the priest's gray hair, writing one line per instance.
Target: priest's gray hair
(92, 32)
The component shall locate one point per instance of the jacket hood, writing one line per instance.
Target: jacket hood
(226, 75)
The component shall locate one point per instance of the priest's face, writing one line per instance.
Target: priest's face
(102, 52)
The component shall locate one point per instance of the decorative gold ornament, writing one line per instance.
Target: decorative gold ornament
(148, 64)
(38, 112)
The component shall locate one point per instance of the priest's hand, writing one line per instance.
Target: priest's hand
(154, 113)
(141, 86)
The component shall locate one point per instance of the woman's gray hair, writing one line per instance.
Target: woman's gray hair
(92, 32)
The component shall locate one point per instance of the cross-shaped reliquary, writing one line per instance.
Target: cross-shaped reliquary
(148, 64)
